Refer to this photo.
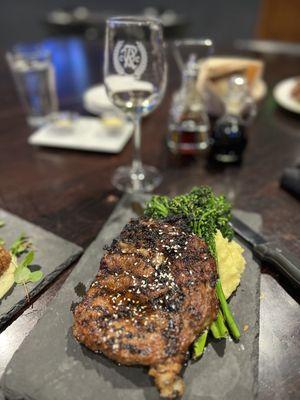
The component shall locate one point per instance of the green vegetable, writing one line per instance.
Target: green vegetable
(227, 313)
(36, 276)
(199, 345)
(23, 274)
(218, 327)
(215, 330)
(2, 242)
(28, 259)
(20, 245)
(205, 213)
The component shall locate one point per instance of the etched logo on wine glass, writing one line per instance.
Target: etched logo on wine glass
(130, 58)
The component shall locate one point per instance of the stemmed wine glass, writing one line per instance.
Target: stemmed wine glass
(135, 75)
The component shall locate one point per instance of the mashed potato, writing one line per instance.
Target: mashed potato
(7, 279)
(231, 263)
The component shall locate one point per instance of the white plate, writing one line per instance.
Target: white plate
(95, 100)
(282, 94)
(87, 133)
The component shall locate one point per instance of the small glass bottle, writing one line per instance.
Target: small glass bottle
(229, 133)
(188, 121)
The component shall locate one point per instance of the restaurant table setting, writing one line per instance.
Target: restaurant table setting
(209, 134)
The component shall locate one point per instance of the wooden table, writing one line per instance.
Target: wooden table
(70, 193)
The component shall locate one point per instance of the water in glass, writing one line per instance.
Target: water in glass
(35, 81)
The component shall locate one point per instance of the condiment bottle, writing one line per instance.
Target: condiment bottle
(188, 121)
(229, 133)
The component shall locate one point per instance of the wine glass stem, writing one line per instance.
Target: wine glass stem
(137, 167)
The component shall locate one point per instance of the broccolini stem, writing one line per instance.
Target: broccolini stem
(163, 209)
(218, 327)
(199, 345)
(221, 324)
(232, 325)
(215, 330)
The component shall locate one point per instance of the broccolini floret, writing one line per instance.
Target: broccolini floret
(205, 212)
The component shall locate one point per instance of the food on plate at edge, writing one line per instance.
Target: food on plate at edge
(295, 92)
(7, 270)
(160, 289)
(14, 270)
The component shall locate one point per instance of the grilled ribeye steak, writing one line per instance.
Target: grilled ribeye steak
(154, 293)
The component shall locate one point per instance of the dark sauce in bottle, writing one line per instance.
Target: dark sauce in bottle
(229, 140)
(229, 133)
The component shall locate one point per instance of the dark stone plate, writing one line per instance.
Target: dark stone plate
(53, 255)
(51, 365)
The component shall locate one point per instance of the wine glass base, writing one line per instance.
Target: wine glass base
(126, 180)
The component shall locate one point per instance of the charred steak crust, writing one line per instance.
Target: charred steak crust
(154, 293)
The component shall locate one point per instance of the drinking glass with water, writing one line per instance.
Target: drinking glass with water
(34, 77)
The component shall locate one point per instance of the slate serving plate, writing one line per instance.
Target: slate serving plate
(51, 365)
(53, 255)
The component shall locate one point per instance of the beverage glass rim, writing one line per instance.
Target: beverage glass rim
(133, 19)
(34, 53)
(194, 42)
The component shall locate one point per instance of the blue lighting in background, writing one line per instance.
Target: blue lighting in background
(71, 66)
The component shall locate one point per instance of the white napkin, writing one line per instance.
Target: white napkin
(85, 133)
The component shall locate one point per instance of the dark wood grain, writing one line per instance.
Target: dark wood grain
(70, 193)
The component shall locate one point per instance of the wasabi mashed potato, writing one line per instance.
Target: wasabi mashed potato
(231, 263)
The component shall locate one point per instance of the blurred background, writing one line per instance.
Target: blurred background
(223, 21)
(34, 20)
(230, 24)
